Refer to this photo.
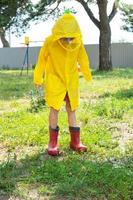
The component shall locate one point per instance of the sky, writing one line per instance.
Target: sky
(90, 32)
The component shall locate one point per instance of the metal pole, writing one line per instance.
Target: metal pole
(27, 58)
(10, 36)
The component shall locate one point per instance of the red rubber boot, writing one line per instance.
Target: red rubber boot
(75, 143)
(53, 139)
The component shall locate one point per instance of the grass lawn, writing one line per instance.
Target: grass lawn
(105, 115)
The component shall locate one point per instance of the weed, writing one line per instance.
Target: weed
(37, 101)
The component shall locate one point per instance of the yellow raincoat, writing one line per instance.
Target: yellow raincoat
(58, 61)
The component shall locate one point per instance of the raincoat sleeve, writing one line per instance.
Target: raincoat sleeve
(40, 66)
(84, 63)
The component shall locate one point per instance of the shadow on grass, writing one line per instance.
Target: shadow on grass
(120, 94)
(70, 176)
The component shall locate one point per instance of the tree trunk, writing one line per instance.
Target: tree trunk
(3, 39)
(105, 62)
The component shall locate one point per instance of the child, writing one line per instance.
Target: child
(57, 61)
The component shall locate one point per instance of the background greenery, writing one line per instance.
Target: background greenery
(105, 116)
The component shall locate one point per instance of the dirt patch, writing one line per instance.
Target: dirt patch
(123, 134)
(13, 105)
(6, 153)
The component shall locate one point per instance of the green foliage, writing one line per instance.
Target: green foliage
(127, 12)
(43, 9)
(14, 14)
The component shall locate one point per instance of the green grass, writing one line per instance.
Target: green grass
(105, 115)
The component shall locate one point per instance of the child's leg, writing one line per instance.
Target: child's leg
(75, 143)
(53, 118)
(71, 115)
(53, 133)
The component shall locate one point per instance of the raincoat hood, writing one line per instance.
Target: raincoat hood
(67, 27)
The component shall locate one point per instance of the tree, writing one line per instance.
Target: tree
(13, 13)
(127, 12)
(103, 24)
(3, 38)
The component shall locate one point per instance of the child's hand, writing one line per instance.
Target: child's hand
(38, 86)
